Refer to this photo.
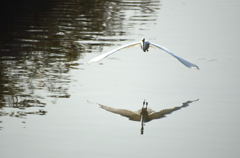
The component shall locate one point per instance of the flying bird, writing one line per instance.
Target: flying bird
(145, 114)
(145, 45)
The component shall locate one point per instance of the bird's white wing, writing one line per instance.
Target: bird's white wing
(183, 61)
(102, 56)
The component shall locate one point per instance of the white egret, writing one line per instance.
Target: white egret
(145, 46)
(145, 114)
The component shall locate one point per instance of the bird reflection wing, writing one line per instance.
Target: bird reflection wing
(126, 113)
(183, 61)
(102, 56)
(164, 112)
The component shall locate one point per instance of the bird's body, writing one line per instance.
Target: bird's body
(145, 45)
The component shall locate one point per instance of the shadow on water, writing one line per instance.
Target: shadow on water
(38, 45)
(145, 114)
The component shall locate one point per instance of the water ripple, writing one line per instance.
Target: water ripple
(40, 50)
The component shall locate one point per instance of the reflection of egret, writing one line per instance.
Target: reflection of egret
(145, 46)
(145, 114)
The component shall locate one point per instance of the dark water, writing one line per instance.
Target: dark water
(39, 48)
(49, 97)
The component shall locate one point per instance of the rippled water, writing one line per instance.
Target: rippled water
(41, 49)
(49, 97)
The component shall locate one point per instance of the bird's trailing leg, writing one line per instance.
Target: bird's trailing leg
(145, 103)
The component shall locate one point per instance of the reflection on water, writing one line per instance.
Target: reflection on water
(38, 51)
(145, 114)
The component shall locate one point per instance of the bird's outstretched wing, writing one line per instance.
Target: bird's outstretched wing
(183, 61)
(164, 112)
(102, 56)
(127, 113)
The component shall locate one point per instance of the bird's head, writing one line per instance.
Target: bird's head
(143, 40)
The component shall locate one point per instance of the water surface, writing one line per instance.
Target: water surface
(48, 96)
